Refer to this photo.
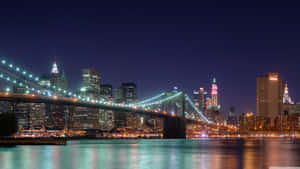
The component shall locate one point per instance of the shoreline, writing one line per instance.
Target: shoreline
(11, 141)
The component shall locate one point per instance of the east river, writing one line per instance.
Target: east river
(155, 154)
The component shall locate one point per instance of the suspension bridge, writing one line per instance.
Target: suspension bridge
(176, 107)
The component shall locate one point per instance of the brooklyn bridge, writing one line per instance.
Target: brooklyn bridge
(174, 110)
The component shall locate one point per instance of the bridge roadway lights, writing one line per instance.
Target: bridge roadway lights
(174, 128)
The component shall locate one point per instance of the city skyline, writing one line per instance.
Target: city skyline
(163, 48)
(169, 85)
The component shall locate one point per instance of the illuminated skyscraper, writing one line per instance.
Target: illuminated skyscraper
(90, 83)
(269, 95)
(286, 98)
(196, 98)
(55, 79)
(129, 92)
(208, 103)
(55, 115)
(214, 95)
(126, 93)
(202, 99)
(199, 99)
(54, 69)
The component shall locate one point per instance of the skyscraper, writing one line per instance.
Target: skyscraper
(118, 98)
(126, 93)
(196, 98)
(55, 79)
(208, 103)
(199, 99)
(269, 95)
(63, 80)
(202, 99)
(106, 91)
(90, 83)
(55, 115)
(286, 98)
(214, 95)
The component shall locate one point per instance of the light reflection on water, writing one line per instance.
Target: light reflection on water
(155, 154)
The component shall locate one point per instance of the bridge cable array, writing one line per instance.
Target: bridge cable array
(33, 80)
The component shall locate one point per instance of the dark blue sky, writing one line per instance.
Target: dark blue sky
(159, 46)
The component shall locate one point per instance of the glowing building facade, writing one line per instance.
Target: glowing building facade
(208, 103)
(199, 99)
(90, 83)
(214, 95)
(286, 98)
(269, 95)
(55, 80)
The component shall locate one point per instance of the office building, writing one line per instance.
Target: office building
(90, 83)
(55, 79)
(118, 98)
(126, 93)
(208, 103)
(232, 118)
(60, 82)
(85, 118)
(214, 95)
(106, 91)
(106, 120)
(88, 118)
(63, 81)
(30, 115)
(202, 94)
(269, 96)
(199, 99)
(196, 98)
(129, 92)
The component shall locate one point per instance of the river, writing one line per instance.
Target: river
(155, 154)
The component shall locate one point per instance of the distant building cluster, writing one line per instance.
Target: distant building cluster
(209, 104)
(60, 117)
(275, 109)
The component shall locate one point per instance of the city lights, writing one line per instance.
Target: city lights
(153, 105)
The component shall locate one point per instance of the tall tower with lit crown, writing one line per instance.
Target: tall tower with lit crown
(55, 79)
(214, 94)
(54, 69)
(286, 98)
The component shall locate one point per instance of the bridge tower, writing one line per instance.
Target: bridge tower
(175, 127)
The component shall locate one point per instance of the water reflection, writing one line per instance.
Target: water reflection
(158, 154)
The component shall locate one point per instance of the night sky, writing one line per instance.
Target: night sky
(159, 46)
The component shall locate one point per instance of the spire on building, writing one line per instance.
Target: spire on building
(214, 88)
(63, 75)
(54, 69)
(286, 98)
(214, 94)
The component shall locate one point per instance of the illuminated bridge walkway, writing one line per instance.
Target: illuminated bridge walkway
(175, 107)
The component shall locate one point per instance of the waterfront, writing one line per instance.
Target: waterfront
(158, 154)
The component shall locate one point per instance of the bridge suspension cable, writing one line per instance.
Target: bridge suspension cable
(34, 78)
(16, 74)
(151, 99)
(196, 109)
(163, 100)
(18, 79)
